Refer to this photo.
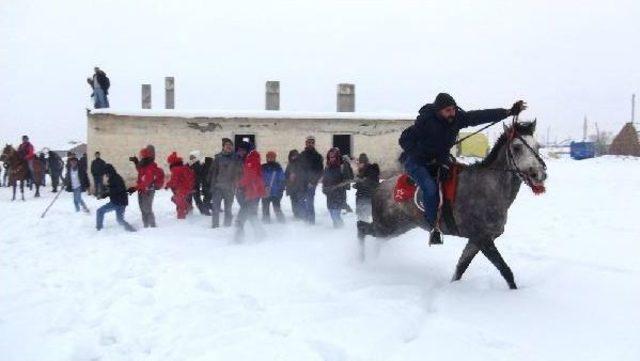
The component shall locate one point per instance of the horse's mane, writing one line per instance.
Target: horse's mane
(522, 128)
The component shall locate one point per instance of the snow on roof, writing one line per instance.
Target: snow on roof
(261, 114)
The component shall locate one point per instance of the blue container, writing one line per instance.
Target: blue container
(583, 150)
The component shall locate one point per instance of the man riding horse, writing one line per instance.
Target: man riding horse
(27, 154)
(427, 146)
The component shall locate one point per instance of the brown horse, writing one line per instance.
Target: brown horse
(19, 171)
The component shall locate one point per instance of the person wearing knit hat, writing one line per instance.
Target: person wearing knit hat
(150, 179)
(223, 176)
(427, 146)
(181, 184)
(274, 181)
(311, 170)
(250, 190)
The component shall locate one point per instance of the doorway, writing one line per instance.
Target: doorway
(343, 142)
(251, 138)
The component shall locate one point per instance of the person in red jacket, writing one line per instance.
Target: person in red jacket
(250, 189)
(28, 154)
(150, 179)
(181, 184)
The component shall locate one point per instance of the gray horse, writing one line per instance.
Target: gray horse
(485, 192)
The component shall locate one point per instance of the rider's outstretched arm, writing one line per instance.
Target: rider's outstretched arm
(477, 117)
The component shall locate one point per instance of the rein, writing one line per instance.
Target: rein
(476, 132)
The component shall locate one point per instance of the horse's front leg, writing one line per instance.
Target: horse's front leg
(489, 249)
(37, 191)
(468, 253)
(22, 189)
(14, 192)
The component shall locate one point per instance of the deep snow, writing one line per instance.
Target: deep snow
(185, 292)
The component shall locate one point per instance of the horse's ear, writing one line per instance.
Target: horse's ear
(533, 125)
(504, 126)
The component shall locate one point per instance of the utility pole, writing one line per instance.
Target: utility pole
(633, 108)
(584, 129)
(548, 131)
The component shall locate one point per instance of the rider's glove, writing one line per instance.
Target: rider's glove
(518, 107)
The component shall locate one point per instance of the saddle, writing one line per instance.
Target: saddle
(406, 189)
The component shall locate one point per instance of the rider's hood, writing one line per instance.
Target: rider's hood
(427, 108)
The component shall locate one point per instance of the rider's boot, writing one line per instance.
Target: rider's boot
(435, 237)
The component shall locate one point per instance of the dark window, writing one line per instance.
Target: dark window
(343, 142)
(251, 138)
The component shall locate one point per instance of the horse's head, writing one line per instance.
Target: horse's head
(523, 157)
(6, 152)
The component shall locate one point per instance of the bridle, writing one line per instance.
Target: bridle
(524, 177)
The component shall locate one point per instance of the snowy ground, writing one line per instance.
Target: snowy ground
(185, 292)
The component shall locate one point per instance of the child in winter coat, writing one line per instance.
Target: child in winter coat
(181, 184)
(334, 186)
(250, 188)
(150, 179)
(274, 181)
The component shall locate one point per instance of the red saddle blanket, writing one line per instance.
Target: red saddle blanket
(405, 188)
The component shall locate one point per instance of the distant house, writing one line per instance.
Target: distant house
(626, 142)
(79, 149)
(474, 146)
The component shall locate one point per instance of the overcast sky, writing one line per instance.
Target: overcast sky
(568, 59)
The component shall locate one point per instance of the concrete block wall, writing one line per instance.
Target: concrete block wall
(119, 137)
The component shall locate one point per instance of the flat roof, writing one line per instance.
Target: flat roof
(260, 114)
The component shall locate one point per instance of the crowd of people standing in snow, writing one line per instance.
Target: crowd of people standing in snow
(235, 173)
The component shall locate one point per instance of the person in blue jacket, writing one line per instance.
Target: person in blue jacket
(274, 183)
(427, 145)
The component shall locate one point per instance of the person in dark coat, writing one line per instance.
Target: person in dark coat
(77, 181)
(224, 174)
(97, 171)
(44, 167)
(274, 182)
(366, 183)
(295, 186)
(427, 145)
(206, 187)
(118, 199)
(56, 165)
(348, 172)
(100, 85)
(197, 167)
(334, 186)
(311, 167)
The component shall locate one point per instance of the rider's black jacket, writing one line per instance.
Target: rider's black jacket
(430, 139)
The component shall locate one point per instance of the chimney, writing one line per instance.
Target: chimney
(169, 92)
(346, 98)
(272, 95)
(146, 96)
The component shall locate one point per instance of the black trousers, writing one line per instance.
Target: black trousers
(217, 196)
(266, 205)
